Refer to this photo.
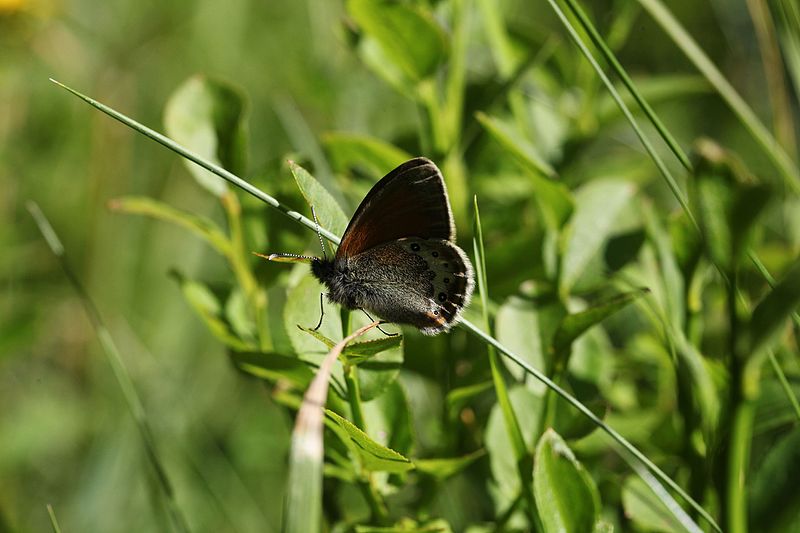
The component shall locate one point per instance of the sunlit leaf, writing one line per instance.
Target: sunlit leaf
(208, 117)
(575, 324)
(566, 496)
(329, 213)
(409, 36)
(374, 456)
(351, 150)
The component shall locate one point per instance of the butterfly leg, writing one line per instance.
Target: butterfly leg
(321, 312)
(379, 325)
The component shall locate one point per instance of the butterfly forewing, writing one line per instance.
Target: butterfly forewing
(409, 201)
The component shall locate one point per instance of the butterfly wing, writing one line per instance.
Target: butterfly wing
(422, 282)
(411, 200)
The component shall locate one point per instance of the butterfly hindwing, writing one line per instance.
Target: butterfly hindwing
(423, 282)
(409, 201)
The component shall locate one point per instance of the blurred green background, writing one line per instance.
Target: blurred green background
(66, 437)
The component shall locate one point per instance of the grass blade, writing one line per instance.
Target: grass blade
(750, 121)
(191, 156)
(612, 60)
(53, 521)
(662, 168)
(304, 489)
(167, 494)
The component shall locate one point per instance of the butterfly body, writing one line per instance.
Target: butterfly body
(398, 257)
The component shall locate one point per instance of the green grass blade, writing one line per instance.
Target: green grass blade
(166, 494)
(662, 168)
(512, 424)
(750, 121)
(188, 154)
(622, 441)
(612, 60)
(53, 521)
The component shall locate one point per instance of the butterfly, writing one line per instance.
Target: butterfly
(398, 257)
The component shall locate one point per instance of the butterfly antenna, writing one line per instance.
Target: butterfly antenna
(319, 233)
(287, 258)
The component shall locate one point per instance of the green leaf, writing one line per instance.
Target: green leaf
(444, 468)
(566, 496)
(526, 326)
(774, 499)
(646, 510)
(597, 206)
(374, 457)
(407, 525)
(408, 36)
(208, 117)
(727, 203)
(575, 324)
(273, 367)
(200, 226)
(358, 352)
(208, 307)
(770, 315)
(388, 419)
(329, 213)
(349, 150)
(514, 142)
(553, 198)
(502, 455)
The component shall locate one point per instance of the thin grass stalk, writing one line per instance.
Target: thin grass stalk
(600, 43)
(779, 100)
(524, 459)
(272, 202)
(754, 126)
(671, 183)
(53, 520)
(166, 495)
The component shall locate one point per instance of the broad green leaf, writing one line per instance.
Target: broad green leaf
(200, 226)
(502, 456)
(597, 206)
(238, 316)
(570, 423)
(388, 419)
(208, 307)
(727, 202)
(646, 510)
(208, 117)
(770, 315)
(408, 36)
(527, 326)
(566, 496)
(444, 468)
(575, 324)
(329, 213)
(348, 150)
(374, 456)
(273, 367)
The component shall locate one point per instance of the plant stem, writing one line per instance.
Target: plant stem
(738, 461)
(237, 259)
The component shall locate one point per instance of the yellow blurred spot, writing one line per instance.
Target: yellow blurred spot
(10, 6)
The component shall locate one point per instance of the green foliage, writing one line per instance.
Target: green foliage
(421, 434)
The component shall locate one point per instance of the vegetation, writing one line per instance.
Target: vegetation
(629, 361)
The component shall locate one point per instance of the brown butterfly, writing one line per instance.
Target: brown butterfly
(398, 257)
